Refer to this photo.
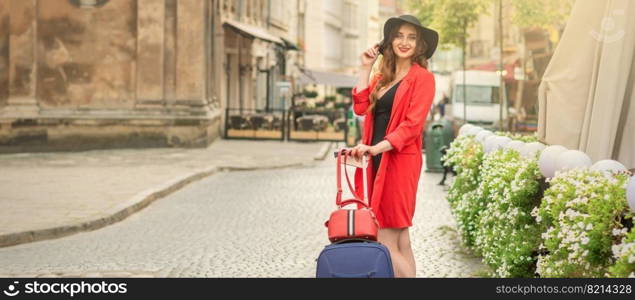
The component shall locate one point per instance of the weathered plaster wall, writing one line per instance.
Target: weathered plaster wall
(130, 73)
(190, 54)
(150, 63)
(169, 81)
(86, 57)
(21, 54)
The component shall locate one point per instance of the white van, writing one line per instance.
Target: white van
(483, 103)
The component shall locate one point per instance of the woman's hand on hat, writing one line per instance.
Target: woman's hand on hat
(369, 56)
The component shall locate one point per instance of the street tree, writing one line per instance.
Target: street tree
(451, 19)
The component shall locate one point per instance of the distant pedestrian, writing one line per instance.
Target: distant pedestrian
(402, 90)
(444, 101)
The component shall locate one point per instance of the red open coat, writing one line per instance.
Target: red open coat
(392, 192)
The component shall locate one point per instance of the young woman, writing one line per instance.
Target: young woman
(395, 104)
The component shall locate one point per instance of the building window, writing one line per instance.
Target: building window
(476, 49)
(279, 14)
(353, 16)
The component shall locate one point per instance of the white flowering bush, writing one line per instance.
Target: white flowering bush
(519, 137)
(580, 217)
(465, 156)
(625, 255)
(507, 235)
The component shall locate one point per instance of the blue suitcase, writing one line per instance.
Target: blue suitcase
(355, 259)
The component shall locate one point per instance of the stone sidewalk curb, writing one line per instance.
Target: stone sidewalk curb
(137, 203)
(324, 151)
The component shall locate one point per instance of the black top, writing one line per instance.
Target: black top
(383, 108)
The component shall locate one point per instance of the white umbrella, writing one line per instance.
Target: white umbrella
(587, 94)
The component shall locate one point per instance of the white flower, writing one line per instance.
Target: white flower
(585, 240)
(617, 250)
(581, 225)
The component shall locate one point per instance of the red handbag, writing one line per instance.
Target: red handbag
(359, 223)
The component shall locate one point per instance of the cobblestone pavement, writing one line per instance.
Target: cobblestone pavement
(75, 191)
(265, 223)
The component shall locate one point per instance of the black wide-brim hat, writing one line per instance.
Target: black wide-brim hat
(430, 36)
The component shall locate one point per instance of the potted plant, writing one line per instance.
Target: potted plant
(310, 94)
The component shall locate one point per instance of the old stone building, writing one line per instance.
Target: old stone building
(260, 48)
(87, 74)
(94, 74)
(340, 31)
(80, 74)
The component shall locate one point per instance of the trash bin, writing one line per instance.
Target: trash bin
(439, 134)
(351, 128)
(448, 128)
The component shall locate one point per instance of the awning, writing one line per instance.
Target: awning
(290, 45)
(254, 31)
(327, 78)
(587, 94)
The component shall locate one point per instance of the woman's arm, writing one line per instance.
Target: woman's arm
(362, 81)
(361, 92)
(418, 109)
(380, 147)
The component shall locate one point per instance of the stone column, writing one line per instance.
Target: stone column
(22, 66)
(150, 53)
(190, 56)
(218, 62)
(4, 52)
(218, 70)
(169, 46)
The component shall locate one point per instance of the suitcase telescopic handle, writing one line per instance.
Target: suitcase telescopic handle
(357, 199)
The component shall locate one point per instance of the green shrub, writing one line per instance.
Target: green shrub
(344, 91)
(310, 94)
(507, 235)
(625, 255)
(579, 215)
(465, 156)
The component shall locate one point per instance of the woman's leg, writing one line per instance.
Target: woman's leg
(405, 248)
(389, 237)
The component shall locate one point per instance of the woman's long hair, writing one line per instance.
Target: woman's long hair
(388, 64)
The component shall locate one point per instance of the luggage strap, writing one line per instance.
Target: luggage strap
(357, 199)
